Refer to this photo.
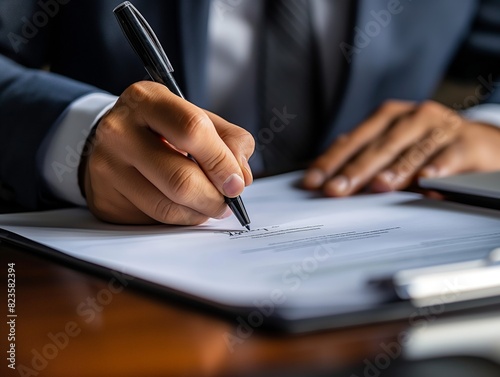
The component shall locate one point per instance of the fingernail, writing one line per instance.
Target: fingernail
(226, 214)
(430, 172)
(233, 186)
(384, 181)
(388, 176)
(339, 185)
(314, 178)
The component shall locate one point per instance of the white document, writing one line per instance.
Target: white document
(310, 256)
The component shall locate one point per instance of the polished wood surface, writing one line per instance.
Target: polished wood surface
(72, 323)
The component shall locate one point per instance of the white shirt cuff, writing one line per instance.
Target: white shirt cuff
(487, 113)
(63, 146)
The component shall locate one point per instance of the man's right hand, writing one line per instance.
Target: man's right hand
(137, 170)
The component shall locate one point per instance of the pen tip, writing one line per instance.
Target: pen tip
(247, 226)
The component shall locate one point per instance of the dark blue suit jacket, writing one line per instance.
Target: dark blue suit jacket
(81, 42)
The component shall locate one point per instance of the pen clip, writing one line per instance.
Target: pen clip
(144, 42)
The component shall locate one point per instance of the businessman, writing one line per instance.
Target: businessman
(344, 84)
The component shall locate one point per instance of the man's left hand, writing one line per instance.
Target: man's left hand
(401, 142)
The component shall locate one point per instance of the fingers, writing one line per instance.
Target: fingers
(402, 170)
(176, 176)
(140, 203)
(376, 157)
(451, 160)
(476, 149)
(190, 129)
(161, 184)
(404, 139)
(347, 146)
(139, 172)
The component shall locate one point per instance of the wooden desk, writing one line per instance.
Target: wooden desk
(71, 323)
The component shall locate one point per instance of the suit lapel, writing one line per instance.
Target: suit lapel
(400, 58)
(362, 64)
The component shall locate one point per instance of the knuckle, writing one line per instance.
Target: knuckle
(138, 90)
(169, 212)
(165, 210)
(132, 97)
(397, 107)
(106, 126)
(238, 139)
(247, 141)
(216, 163)
(182, 185)
(392, 105)
(196, 123)
(429, 107)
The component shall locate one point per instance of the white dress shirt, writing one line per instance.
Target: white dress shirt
(232, 86)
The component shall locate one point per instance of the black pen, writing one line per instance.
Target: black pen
(146, 45)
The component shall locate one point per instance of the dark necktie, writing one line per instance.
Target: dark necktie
(290, 86)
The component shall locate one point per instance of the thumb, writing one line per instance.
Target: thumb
(189, 128)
